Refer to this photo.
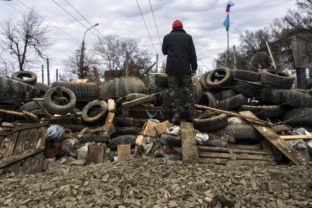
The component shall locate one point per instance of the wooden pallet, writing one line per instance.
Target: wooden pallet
(245, 154)
(22, 148)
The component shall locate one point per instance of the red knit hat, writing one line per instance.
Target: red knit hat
(177, 23)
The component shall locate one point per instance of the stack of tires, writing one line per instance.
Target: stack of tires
(17, 90)
(267, 94)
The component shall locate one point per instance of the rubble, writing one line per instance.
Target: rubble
(148, 182)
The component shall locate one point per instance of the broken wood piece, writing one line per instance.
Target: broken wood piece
(162, 127)
(149, 128)
(251, 119)
(123, 151)
(189, 148)
(275, 139)
(95, 153)
(132, 103)
(295, 137)
(111, 105)
(82, 132)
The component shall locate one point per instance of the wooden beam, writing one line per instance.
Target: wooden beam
(295, 137)
(189, 148)
(234, 156)
(275, 139)
(132, 103)
(27, 115)
(253, 120)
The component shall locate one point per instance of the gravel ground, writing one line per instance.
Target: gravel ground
(147, 182)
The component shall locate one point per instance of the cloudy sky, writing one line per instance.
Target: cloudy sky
(202, 19)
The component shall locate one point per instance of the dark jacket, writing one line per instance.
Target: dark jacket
(179, 47)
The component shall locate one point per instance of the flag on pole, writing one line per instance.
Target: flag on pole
(228, 6)
(226, 22)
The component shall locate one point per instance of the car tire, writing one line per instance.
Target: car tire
(298, 117)
(211, 124)
(87, 118)
(225, 94)
(31, 77)
(265, 111)
(85, 92)
(219, 77)
(208, 99)
(246, 75)
(243, 133)
(233, 102)
(279, 80)
(56, 108)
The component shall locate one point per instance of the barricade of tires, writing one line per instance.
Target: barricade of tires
(266, 93)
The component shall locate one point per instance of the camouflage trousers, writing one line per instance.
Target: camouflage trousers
(180, 92)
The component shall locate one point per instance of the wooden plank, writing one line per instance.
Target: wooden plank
(12, 159)
(230, 150)
(189, 148)
(234, 156)
(246, 147)
(146, 99)
(280, 144)
(95, 153)
(162, 127)
(149, 128)
(296, 137)
(250, 119)
(25, 126)
(111, 105)
(33, 164)
(12, 144)
(110, 118)
(123, 151)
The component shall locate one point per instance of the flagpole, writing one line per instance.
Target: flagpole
(228, 47)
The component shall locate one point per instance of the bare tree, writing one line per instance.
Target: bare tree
(72, 63)
(253, 42)
(24, 38)
(112, 49)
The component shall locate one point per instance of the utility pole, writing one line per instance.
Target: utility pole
(127, 65)
(156, 62)
(234, 58)
(81, 64)
(42, 74)
(57, 75)
(48, 71)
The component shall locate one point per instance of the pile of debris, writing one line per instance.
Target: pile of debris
(149, 182)
(242, 115)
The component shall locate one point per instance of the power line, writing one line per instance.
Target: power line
(49, 22)
(83, 17)
(67, 12)
(155, 22)
(149, 34)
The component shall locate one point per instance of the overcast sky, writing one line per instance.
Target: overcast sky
(202, 19)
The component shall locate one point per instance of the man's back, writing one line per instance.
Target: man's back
(179, 47)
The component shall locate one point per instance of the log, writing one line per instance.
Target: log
(132, 103)
(251, 119)
(26, 114)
